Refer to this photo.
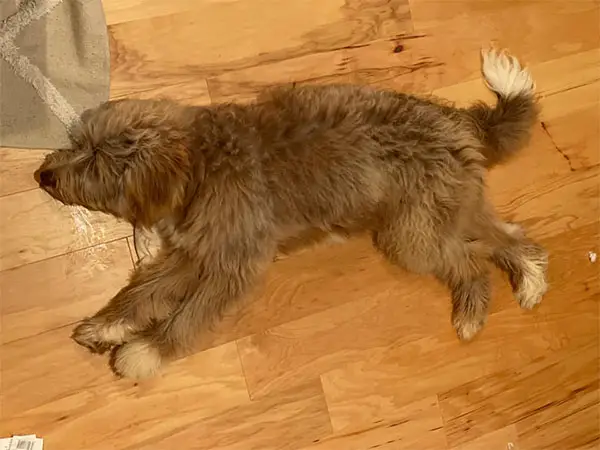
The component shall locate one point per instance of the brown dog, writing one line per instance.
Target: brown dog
(225, 185)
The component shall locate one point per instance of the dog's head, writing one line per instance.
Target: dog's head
(129, 158)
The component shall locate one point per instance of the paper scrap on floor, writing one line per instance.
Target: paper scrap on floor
(28, 442)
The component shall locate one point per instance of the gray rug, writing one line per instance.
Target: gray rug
(54, 64)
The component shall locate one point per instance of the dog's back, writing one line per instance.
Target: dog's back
(333, 155)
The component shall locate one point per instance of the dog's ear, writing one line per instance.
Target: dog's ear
(155, 182)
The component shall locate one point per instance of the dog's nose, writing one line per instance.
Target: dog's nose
(45, 178)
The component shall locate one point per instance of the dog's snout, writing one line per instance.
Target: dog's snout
(45, 178)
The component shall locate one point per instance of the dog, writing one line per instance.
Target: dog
(226, 185)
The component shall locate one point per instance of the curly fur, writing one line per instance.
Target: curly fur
(227, 185)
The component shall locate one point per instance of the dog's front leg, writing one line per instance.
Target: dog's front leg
(222, 280)
(154, 291)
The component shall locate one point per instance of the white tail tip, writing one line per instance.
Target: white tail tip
(504, 75)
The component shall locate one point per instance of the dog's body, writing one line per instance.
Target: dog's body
(226, 185)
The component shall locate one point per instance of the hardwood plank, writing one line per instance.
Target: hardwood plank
(295, 286)
(555, 385)
(537, 199)
(574, 424)
(401, 375)
(211, 37)
(580, 149)
(339, 349)
(303, 349)
(418, 425)
(570, 101)
(542, 208)
(567, 73)
(377, 18)
(81, 283)
(552, 77)
(404, 372)
(502, 439)
(308, 347)
(289, 420)
(508, 190)
(33, 226)
(317, 68)
(443, 48)
(119, 11)
(16, 169)
(572, 120)
(55, 389)
(194, 92)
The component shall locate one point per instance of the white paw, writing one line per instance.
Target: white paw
(531, 295)
(467, 330)
(137, 359)
(512, 229)
(99, 336)
(504, 75)
(116, 333)
(533, 284)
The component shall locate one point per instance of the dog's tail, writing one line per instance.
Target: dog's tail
(506, 128)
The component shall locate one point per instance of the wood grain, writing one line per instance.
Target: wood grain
(405, 372)
(443, 48)
(82, 405)
(290, 420)
(336, 349)
(553, 77)
(16, 169)
(307, 347)
(194, 92)
(33, 226)
(153, 52)
(36, 290)
(578, 418)
(348, 272)
(318, 68)
(418, 425)
(502, 439)
(555, 387)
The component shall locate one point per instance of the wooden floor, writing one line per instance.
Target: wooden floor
(338, 351)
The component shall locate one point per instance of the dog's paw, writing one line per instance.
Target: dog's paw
(467, 329)
(86, 335)
(512, 229)
(137, 360)
(98, 336)
(532, 283)
(531, 292)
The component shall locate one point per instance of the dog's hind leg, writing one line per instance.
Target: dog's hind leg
(460, 264)
(523, 260)
(154, 291)
(464, 269)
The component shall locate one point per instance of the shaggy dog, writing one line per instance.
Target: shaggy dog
(226, 185)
